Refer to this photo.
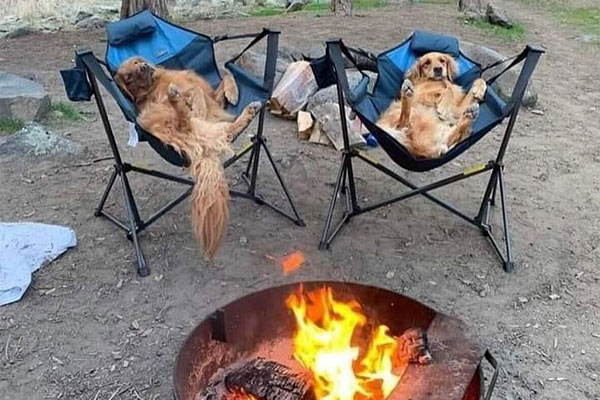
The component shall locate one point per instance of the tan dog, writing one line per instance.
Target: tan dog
(182, 110)
(433, 114)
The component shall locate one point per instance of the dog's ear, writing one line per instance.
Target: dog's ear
(452, 67)
(123, 86)
(414, 73)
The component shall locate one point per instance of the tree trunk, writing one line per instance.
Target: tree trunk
(158, 7)
(470, 6)
(341, 7)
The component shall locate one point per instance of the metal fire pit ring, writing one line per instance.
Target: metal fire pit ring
(234, 331)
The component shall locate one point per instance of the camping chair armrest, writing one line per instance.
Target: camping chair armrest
(271, 56)
(336, 51)
(95, 73)
(532, 57)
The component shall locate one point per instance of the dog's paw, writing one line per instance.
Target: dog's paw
(472, 112)
(173, 92)
(231, 90)
(408, 89)
(478, 89)
(254, 107)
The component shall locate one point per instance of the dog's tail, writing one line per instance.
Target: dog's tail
(210, 203)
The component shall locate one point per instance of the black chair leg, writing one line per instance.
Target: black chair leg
(508, 262)
(340, 185)
(132, 217)
(109, 186)
(483, 218)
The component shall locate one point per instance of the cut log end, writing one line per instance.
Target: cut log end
(413, 347)
(259, 379)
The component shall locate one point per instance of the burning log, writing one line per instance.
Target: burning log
(259, 379)
(413, 347)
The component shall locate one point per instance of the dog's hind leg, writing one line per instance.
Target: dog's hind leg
(463, 128)
(227, 90)
(235, 128)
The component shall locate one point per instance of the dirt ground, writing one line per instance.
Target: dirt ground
(90, 328)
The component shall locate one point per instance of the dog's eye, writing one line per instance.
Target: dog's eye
(428, 62)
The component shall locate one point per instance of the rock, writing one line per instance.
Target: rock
(20, 32)
(81, 15)
(254, 63)
(35, 139)
(537, 112)
(295, 5)
(588, 38)
(21, 98)
(108, 9)
(497, 16)
(329, 94)
(506, 83)
(92, 22)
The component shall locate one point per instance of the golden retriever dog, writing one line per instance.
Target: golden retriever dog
(182, 110)
(433, 114)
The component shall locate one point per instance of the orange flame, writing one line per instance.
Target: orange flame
(292, 262)
(239, 394)
(323, 345)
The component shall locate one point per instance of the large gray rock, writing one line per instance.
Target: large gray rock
(329, 94)
(506, 83)
(36, 140)
(19, 32)
(497, 16)
(21, 98)
(92, 22)
(254, 63)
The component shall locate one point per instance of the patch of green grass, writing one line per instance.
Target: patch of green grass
(266, 11)
(586, 20)
(316, 7)
(10, 125)
(66, 111)
(514, 34)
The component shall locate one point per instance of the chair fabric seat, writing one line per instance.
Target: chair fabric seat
(392, 66)
(174, 47)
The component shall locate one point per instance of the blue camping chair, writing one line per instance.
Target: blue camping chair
(391, 67)
(174, 47)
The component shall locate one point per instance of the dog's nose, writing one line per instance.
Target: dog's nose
(437, 71)
(144, 67)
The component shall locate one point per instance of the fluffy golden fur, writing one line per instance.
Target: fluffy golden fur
(432, 114)
(182, 110)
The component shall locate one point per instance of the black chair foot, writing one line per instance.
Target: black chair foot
(323, 246)
(300, 222)
(143, 271)
(97, 213)
(509, 266)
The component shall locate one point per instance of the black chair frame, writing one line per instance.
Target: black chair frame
(345, 181)
(134, 223)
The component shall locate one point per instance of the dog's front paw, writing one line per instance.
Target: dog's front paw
(408, 89)
(254, 107)
(472, 112)
(478, 89)
(173, 92)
